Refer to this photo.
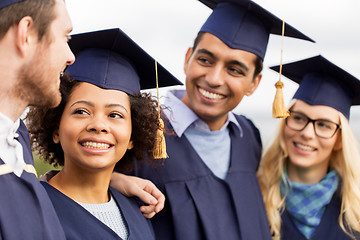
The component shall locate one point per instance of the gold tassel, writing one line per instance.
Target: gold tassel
(160, 145)
(279, 110)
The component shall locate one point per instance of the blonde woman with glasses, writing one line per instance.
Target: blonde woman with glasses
(310, 174)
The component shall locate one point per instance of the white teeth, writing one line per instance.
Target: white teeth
(210, 95)
(304, 147)
(94, 145)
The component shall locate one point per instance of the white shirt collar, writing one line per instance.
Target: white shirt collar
(11, 152)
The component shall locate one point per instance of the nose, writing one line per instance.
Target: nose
(309, 130)
(70, 57)
(215, 76)
(98, 125)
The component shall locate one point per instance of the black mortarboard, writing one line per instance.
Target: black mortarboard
(244, 25)
(5, 3)
(323, 83)
(111, 60)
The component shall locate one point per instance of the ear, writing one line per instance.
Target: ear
(254, 85)
(55, 136)
(338, 143)
(130, 145)
(25, 35)
(187, 58)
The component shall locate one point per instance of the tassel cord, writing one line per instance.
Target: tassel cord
(279, 110)
(160, 146)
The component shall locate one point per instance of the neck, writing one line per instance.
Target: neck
(214, 123)
(82, 186)
(11, 107)
(306, 175)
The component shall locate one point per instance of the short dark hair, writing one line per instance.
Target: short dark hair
(258, 61)
(41, 11)
(42, 122)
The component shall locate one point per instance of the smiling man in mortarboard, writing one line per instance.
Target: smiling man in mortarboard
(210, 177)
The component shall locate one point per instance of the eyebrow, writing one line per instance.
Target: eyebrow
(83, 102)
(233, 62)
(240, 64)
(205, 51)
(323, 119)
(116, 105)
(110, 105)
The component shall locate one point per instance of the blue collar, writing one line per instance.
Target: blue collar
(181, 116)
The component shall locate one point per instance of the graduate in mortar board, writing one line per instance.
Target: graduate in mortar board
(210, 179)
(103, 122)
(310, 174)
(30, 27)
(33, 53)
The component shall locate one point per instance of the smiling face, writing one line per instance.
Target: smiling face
(40, 76)
(217, 78)
(95, 128)
(308, 152)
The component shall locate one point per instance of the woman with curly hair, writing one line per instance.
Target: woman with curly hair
(310, 175)
(103, 122)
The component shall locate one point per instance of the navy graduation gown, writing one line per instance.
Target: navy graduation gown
(328, 229)
(202, 206)
(26, 211)
(79, 224)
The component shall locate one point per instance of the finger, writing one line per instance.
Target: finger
(157, 194)
(151, 215)
(160, 200)
(146, 197)
(147, 209)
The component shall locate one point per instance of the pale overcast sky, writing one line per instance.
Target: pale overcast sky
(166, 28)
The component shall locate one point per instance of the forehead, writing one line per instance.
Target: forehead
(89, 92)
(213, 44)
(316, 111)
(62, 22)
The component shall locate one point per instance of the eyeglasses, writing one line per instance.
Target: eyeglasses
(323, 128)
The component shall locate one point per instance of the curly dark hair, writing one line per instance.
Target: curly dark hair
(42, 122)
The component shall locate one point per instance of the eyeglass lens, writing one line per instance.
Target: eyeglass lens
(323, 128)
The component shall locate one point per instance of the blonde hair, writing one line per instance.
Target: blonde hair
(345, 161)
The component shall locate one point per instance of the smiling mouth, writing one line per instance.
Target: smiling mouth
(95, 145)
(304, 147)
(210, 95)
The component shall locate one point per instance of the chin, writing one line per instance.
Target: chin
(56, 100)
(51, 100)
(301, 163)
